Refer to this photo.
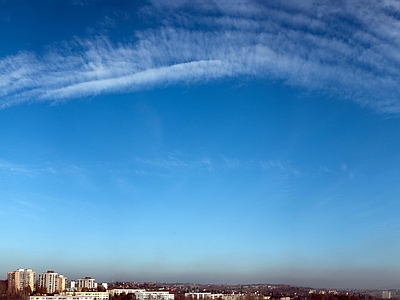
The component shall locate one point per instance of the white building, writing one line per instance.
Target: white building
(208, 296)
(71, 285)
(52, 282)
(152, 295)
(212, 296)
(59, 297)
(114, 292)
(197, 295)
(87, 283)
(20, 279)
(95, 295)
(217, 296)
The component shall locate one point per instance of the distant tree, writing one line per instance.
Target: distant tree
(40, 290)
(179, 296)
(124, 296)
(318, 296)
(101, 288)
(26, 292)
(119, 297)
(12, 293)
(3, 288)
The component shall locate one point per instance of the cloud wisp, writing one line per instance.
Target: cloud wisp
(347, 50)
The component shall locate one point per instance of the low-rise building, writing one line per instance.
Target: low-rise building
(197, 295)
(386, 294)
(117, 292)
(60, 297)
(154, 295)
(95, 295)
(208, 296)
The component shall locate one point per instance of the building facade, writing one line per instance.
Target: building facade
(58, 297)
(159, 295)
(86, 283)
(20, 279)
(52, 282)
(95, 295)
(115, 292)
(61, 283)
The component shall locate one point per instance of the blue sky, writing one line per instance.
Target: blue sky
(203, 141)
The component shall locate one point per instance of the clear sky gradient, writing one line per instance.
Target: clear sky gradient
(201, 141)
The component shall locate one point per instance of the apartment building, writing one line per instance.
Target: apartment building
(52, 282)
(115, 292)
(21, 278)
(95, 295)
(59, 297)
(154, 295)
(86, 283)
(61, 283)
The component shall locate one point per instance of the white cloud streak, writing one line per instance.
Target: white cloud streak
(347, 50)
(280, 166)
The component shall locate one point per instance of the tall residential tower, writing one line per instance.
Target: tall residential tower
(20, 279)
(52, 282)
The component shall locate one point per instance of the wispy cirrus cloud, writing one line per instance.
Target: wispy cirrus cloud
(281, 166)
(174, 163)
(171, 163)
(10, 169)
(347, 50)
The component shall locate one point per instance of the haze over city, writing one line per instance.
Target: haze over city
(206, 141)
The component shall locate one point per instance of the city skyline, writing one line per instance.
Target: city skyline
(20, 278)
(201, 141)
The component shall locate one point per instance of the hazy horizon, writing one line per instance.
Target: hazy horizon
(336, 280)
(206, 140)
